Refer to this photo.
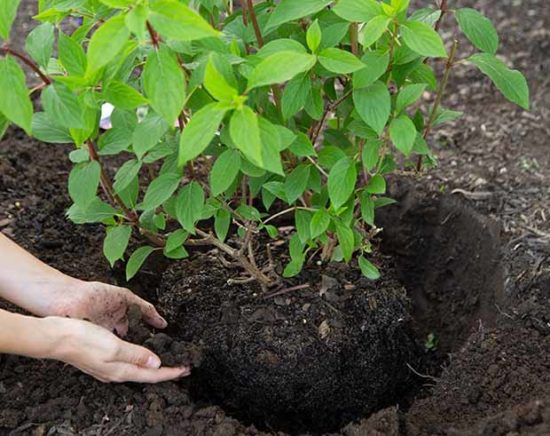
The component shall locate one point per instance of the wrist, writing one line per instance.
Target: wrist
(58, 337)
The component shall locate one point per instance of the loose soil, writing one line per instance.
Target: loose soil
(305, 360)
(487, 302)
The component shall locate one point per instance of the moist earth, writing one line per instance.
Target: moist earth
(495, 381)
(309, 359)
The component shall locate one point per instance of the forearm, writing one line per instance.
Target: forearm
(24, 280)
(28, 336)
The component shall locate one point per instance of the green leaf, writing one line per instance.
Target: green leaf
(302, 220)
(136, 21)
(39, 44)
(46, 130)
(289, 10)
(295, 95)
(376, 185)
(15, 103)
(160, 190)
(4, 124)
(200, 131)
(368, 269)
(147, 134)
(164, 83)
(175, 240)
(71, 55)
(126, 174)
(219, 79)
(222, 221)
(136, 260)
(245, 133)
(374, 30)
(8, 12)
(408, 95)
(346, 239)
(319, 223)
(83, 182)
(302, 146)
(339, 61)
(118, 4)
(371, 153)
(296, 183)
(174, 20)
(116, 242)
(373, 104)
(314, 36)
(478, 29)
(280, 67)
(341, 181)
(426, 15)
(446, 115)
(422, 39)
(403, 134)
(106, 43)
(95, 212)
(225, 170)
(189, 206)
(123, 96)
(367, 208)
(62, 106)
(376, 63)
(510, 82)
(361, 11)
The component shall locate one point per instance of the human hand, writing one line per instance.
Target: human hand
(104, 356)
(102, 304)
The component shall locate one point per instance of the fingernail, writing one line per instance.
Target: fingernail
(164, 323)
(185, 372)
(153, 362)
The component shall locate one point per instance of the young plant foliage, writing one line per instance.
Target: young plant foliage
(232, 125)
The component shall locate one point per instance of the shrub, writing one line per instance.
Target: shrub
(240, 115)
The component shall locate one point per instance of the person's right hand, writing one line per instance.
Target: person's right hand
(99, 353)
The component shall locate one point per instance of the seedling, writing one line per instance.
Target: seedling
(229, 119)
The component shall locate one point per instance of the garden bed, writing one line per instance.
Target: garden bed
(473, 265)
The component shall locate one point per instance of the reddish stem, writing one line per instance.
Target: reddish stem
(31, 64)
(153, 34)
(253, 18)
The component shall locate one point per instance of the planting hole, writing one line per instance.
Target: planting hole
(314, 359)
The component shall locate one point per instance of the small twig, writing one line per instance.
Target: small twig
(287, 290)
(29, 62)
(422, 375)
(239, 257)
(439, 97)
(443, 7)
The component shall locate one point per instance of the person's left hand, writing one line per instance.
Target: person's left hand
(102, 304)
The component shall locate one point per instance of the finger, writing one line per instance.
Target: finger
(132, 373)
(137, 356)
(148, 312)
(121, 327)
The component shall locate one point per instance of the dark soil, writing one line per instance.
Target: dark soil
(488, 306)
(306, 360)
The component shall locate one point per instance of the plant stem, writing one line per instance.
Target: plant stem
(255, 25)
(439, 97)
(353, 36)
(153, 35)
(29, 62)
(254, 271)
(443, 7)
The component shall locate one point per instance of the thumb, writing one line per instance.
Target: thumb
(136, 355)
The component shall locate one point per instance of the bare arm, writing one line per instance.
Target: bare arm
(26, 281)
(64, 302)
